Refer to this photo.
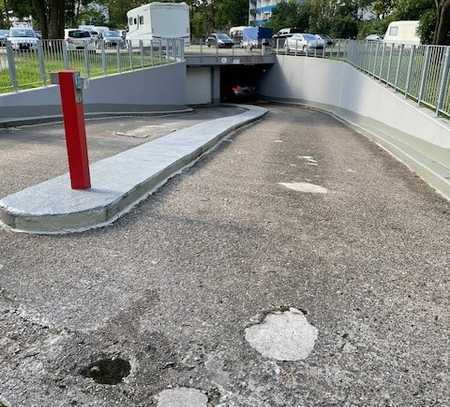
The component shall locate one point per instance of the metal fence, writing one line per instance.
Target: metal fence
(200, 47)
(420, 72)
(29, 66)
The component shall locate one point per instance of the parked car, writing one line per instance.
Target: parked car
(374, 37)
(287, 32)
(78, 39)
(3, 37)
(219, 40)
(112, 39)
(239, 92)
(22, 39)
(303, 42)
(326, 39)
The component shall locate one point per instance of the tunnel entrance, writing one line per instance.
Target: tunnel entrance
(240, 83)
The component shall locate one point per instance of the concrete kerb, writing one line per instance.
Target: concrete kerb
(91, 115)
(439, 180)
(118, 183)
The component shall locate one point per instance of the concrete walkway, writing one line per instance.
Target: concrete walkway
(118, 183)
(177, 297)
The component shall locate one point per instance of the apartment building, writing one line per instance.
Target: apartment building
(260, 11)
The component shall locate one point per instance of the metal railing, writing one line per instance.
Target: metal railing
(29, 66)
(200, 48)
(420, 72)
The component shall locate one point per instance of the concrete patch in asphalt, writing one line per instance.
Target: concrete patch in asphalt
(182, 397)
(304, 187)
(284, 336)
(118, 183)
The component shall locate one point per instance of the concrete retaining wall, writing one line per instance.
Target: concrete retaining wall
(337, 84)
(158, 88)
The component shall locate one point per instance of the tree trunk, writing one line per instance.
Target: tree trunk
(56, 9)
(443, 27)
(40, 12)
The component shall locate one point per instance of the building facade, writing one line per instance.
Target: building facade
(260, 11)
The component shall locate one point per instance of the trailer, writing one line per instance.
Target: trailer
(159, 20)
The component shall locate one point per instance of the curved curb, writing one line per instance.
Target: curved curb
(119, 182)
(90, 115)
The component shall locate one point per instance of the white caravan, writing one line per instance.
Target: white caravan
(159, 20)
(402, 32)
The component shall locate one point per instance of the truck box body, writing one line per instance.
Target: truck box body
(159, 20)
(255, 36)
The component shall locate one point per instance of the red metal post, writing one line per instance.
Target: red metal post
(73, 113)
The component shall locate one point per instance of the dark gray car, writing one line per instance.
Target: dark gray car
(219, 40)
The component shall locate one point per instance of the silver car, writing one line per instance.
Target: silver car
(22, 39)
(303, 42)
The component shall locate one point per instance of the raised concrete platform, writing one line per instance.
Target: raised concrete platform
(118, 182)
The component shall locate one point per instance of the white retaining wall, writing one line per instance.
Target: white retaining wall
(328, 83)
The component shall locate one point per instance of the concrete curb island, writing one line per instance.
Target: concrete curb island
(118, 183)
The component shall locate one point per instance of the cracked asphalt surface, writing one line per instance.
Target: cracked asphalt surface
(172, 286)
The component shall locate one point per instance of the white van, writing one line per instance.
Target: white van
(403, 32)
(159, 20)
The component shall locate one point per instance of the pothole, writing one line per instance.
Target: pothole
(107, 371)
(182, 397)
(304, 187)
(284, 336)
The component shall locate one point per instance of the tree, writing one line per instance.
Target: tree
(290, 14)
(441, 36)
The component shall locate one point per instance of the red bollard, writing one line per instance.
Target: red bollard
(73, 112)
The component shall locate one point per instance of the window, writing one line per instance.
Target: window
(141, 20)
(130, 21)
(393, 31)
(134, 21)
(79, 34)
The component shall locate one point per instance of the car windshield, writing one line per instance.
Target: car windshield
(309, 37)
(79, 34)
(16, 32)
(222, 37)
(4, 32)
(111, 34)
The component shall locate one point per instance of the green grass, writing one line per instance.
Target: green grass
(28, 73)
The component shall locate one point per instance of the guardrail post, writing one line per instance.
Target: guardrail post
(86, 61)
(103, 51)
(130, 54)
(119, 65)
(375, 60)
(380, 76)
(390, 63)
(443, 81)
(399, 62)
(65, 55)
(423, 79)
(141, 46)
(151, 52)
(408, 75)
(11, 65)
(40, 55)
